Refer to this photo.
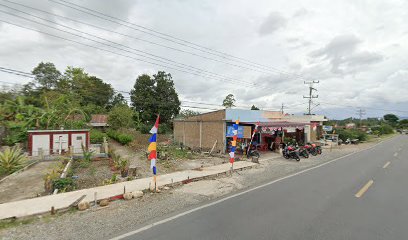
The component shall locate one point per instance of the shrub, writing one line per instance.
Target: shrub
(351, 134)
(144, 129)
(11, 160)
(63, 184)
(121, 116)
(122, 138)
(97, 136)
(165, 128)
(383, 129)
(86, 154)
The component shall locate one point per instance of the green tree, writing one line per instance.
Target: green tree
(229, 101)
(121, 116)
(117, 99)
(157, 95)
(403, 123)
(391, 119)
(88, 89)
(187, 113)
(143, 97)
(167, 98)
(254, 107)
(46, 75)
(46, 79)
(6, 94)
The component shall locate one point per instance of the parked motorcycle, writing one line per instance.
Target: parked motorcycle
(304, 152)
(313, 149)
(254, 155)
(291, 152)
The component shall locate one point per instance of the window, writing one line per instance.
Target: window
(79, 138)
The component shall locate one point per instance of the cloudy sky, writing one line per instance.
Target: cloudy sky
(260, 51)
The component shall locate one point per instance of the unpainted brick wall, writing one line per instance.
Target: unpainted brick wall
(187, 131)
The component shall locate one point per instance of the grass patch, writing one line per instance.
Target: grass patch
(174, 152)
(15, 223)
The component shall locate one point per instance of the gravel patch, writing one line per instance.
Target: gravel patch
(123, 216)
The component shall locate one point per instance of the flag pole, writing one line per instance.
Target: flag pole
(234, 144)
(155, 183)
(153, 151)
(252, 138)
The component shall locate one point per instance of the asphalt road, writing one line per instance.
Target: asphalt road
(334, 201)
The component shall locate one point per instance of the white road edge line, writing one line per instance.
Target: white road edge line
(395, 154)
(238, 194)
(386, 164)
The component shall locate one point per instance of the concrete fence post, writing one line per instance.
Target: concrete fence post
(105, 145)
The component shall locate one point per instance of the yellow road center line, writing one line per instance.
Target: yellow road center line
(364, 189)
(386, 164)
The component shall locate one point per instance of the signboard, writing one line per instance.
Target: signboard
(247, 131)
(327, 128)
(230, 131)
(243, 131)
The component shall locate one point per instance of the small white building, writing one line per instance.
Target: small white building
(57, 141)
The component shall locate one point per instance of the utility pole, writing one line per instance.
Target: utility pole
(311, 96)
(283, 106)
(361, 112)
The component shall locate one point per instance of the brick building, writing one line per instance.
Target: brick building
(214, 128)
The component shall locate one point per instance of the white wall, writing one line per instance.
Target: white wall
(64, 142)
(41, 142)
(77, 140)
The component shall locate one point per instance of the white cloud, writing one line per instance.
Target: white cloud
(356, 50)
(272, 23)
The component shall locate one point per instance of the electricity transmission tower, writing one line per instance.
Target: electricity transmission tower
(283, 106)
(361, 112)
(311, 96)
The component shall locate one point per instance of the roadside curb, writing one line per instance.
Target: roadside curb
(58, 202)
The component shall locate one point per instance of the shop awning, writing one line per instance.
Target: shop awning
(272, 127)
(281, 124)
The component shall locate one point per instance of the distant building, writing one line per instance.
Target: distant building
(350, 125)
(215, 128)
(99, 121)
(50, 142)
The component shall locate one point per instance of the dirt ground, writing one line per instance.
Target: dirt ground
(139, 159)
(92, 175)
(26, 184)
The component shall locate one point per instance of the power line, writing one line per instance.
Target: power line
(168, 37)
(350, 106)
(116, 53)
(9, 69)
(176, 64)
(15, 73)
(140, 39)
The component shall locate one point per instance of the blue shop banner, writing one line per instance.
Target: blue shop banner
(230, 131)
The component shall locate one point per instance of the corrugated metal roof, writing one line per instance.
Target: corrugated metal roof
(245, 115)
(99, 118)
